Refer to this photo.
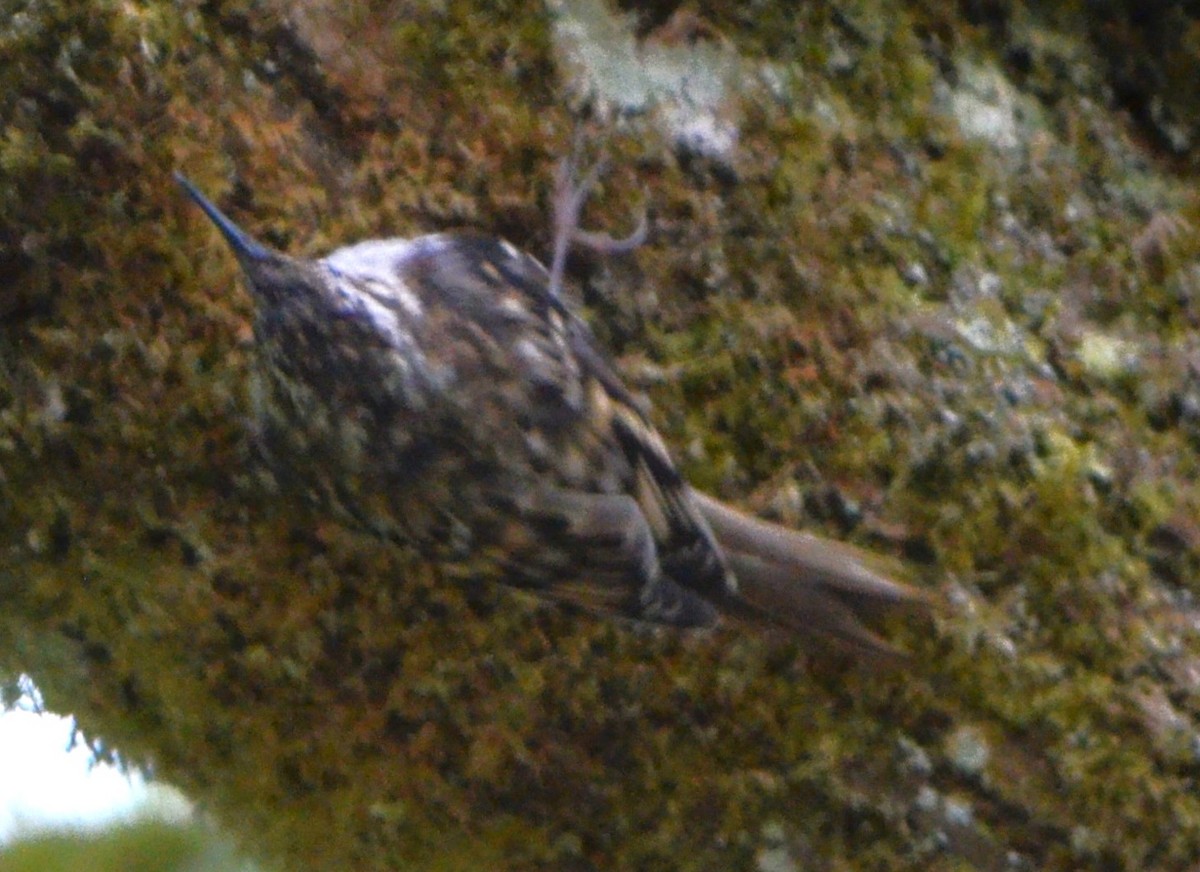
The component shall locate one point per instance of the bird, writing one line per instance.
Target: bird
(439, 393)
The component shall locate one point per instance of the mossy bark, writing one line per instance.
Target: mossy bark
(939, 296)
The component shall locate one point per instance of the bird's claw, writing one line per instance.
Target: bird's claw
(569, 199)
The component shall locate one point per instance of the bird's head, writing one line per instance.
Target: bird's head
(273, 276)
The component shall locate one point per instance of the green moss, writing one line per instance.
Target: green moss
(144, 846)
(336, 706)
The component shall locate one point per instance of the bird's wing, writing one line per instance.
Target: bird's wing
(684, 553)
(571, 384)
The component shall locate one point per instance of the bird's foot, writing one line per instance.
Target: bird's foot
(570, 193)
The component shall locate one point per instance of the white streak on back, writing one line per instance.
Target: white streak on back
(380, 263)
(373, 276)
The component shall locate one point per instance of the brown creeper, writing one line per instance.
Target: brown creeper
(439, 393)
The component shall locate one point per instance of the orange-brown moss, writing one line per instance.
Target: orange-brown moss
(870, 325)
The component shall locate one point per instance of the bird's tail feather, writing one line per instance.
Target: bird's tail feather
(803, 583)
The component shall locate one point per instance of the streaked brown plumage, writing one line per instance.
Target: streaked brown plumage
(437, 392)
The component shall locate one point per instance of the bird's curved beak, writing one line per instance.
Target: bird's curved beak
(247, 249)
